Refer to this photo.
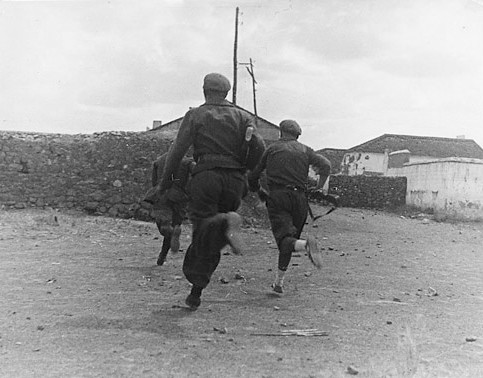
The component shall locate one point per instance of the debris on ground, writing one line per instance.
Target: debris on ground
(352, 371)
(224, 280)
(220, 330)
(294, 332)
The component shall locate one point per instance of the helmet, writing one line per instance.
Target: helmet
(291, 127)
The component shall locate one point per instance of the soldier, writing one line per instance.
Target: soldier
(224, 139)
(286, 163)
(170, 212)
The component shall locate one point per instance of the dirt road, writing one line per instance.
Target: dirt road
(82, 297)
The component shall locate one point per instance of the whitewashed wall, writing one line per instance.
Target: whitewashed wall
(359, 163)
(452, 186)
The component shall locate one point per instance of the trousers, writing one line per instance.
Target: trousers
(213, 192)
(287, 212)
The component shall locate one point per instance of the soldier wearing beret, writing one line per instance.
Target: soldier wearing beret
(286, 163)
(218, 132)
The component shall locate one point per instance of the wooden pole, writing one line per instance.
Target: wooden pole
(235, 62)
(252, 73)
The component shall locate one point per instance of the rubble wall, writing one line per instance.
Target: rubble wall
(371, 192)
(109, 173)
(102, 173)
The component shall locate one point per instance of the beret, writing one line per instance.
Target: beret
(216, 82)
(291, 127)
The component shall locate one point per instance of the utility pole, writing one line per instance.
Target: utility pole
(235, 62)
(252, 74)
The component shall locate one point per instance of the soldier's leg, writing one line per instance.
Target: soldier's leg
(300, 212)
(211, 227)
(179, 211)
(166, 232)
(233, 191)
(163, 214)
(309, 244)
(286, 220)
(199, 262)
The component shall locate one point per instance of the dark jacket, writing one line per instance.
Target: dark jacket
(178, 191)
(180, 177)
(216, 130)
(287, 163)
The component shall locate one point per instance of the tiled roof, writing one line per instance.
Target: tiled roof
(422, 146)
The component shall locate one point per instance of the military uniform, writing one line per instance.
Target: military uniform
(286, 163)
(217, 131)
(171, 210)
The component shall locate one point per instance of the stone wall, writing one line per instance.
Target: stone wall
(104, 173)
(374, 192)
(109, 173)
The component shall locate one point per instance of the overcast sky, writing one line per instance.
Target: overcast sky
(346, 70)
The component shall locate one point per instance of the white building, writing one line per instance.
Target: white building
(449, 186)
(443, 174)
(373, 157)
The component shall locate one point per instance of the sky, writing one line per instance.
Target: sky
(347, 71)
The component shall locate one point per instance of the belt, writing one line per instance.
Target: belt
(211, 161)
(217, 158)
(294, 188)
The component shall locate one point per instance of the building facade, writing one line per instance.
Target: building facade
(374, 157)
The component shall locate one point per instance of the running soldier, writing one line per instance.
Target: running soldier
(225, 141)
(170, 212)
(286, 163)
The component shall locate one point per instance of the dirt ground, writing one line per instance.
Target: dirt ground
(399, 296)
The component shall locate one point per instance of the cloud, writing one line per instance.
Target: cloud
(435, 40)
(153, 59)
(344, 69)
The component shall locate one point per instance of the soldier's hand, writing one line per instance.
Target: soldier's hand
(331, 198)
(150, 196)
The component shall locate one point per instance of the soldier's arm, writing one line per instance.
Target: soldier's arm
(321, 165)
(257, 147)
(154, 174)
(158, 167)
(176, 152)
(254, 175)
(253, 145)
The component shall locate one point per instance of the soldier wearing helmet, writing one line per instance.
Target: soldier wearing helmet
(217, 131)
(286, 163)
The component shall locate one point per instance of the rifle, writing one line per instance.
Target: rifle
(330, 198)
